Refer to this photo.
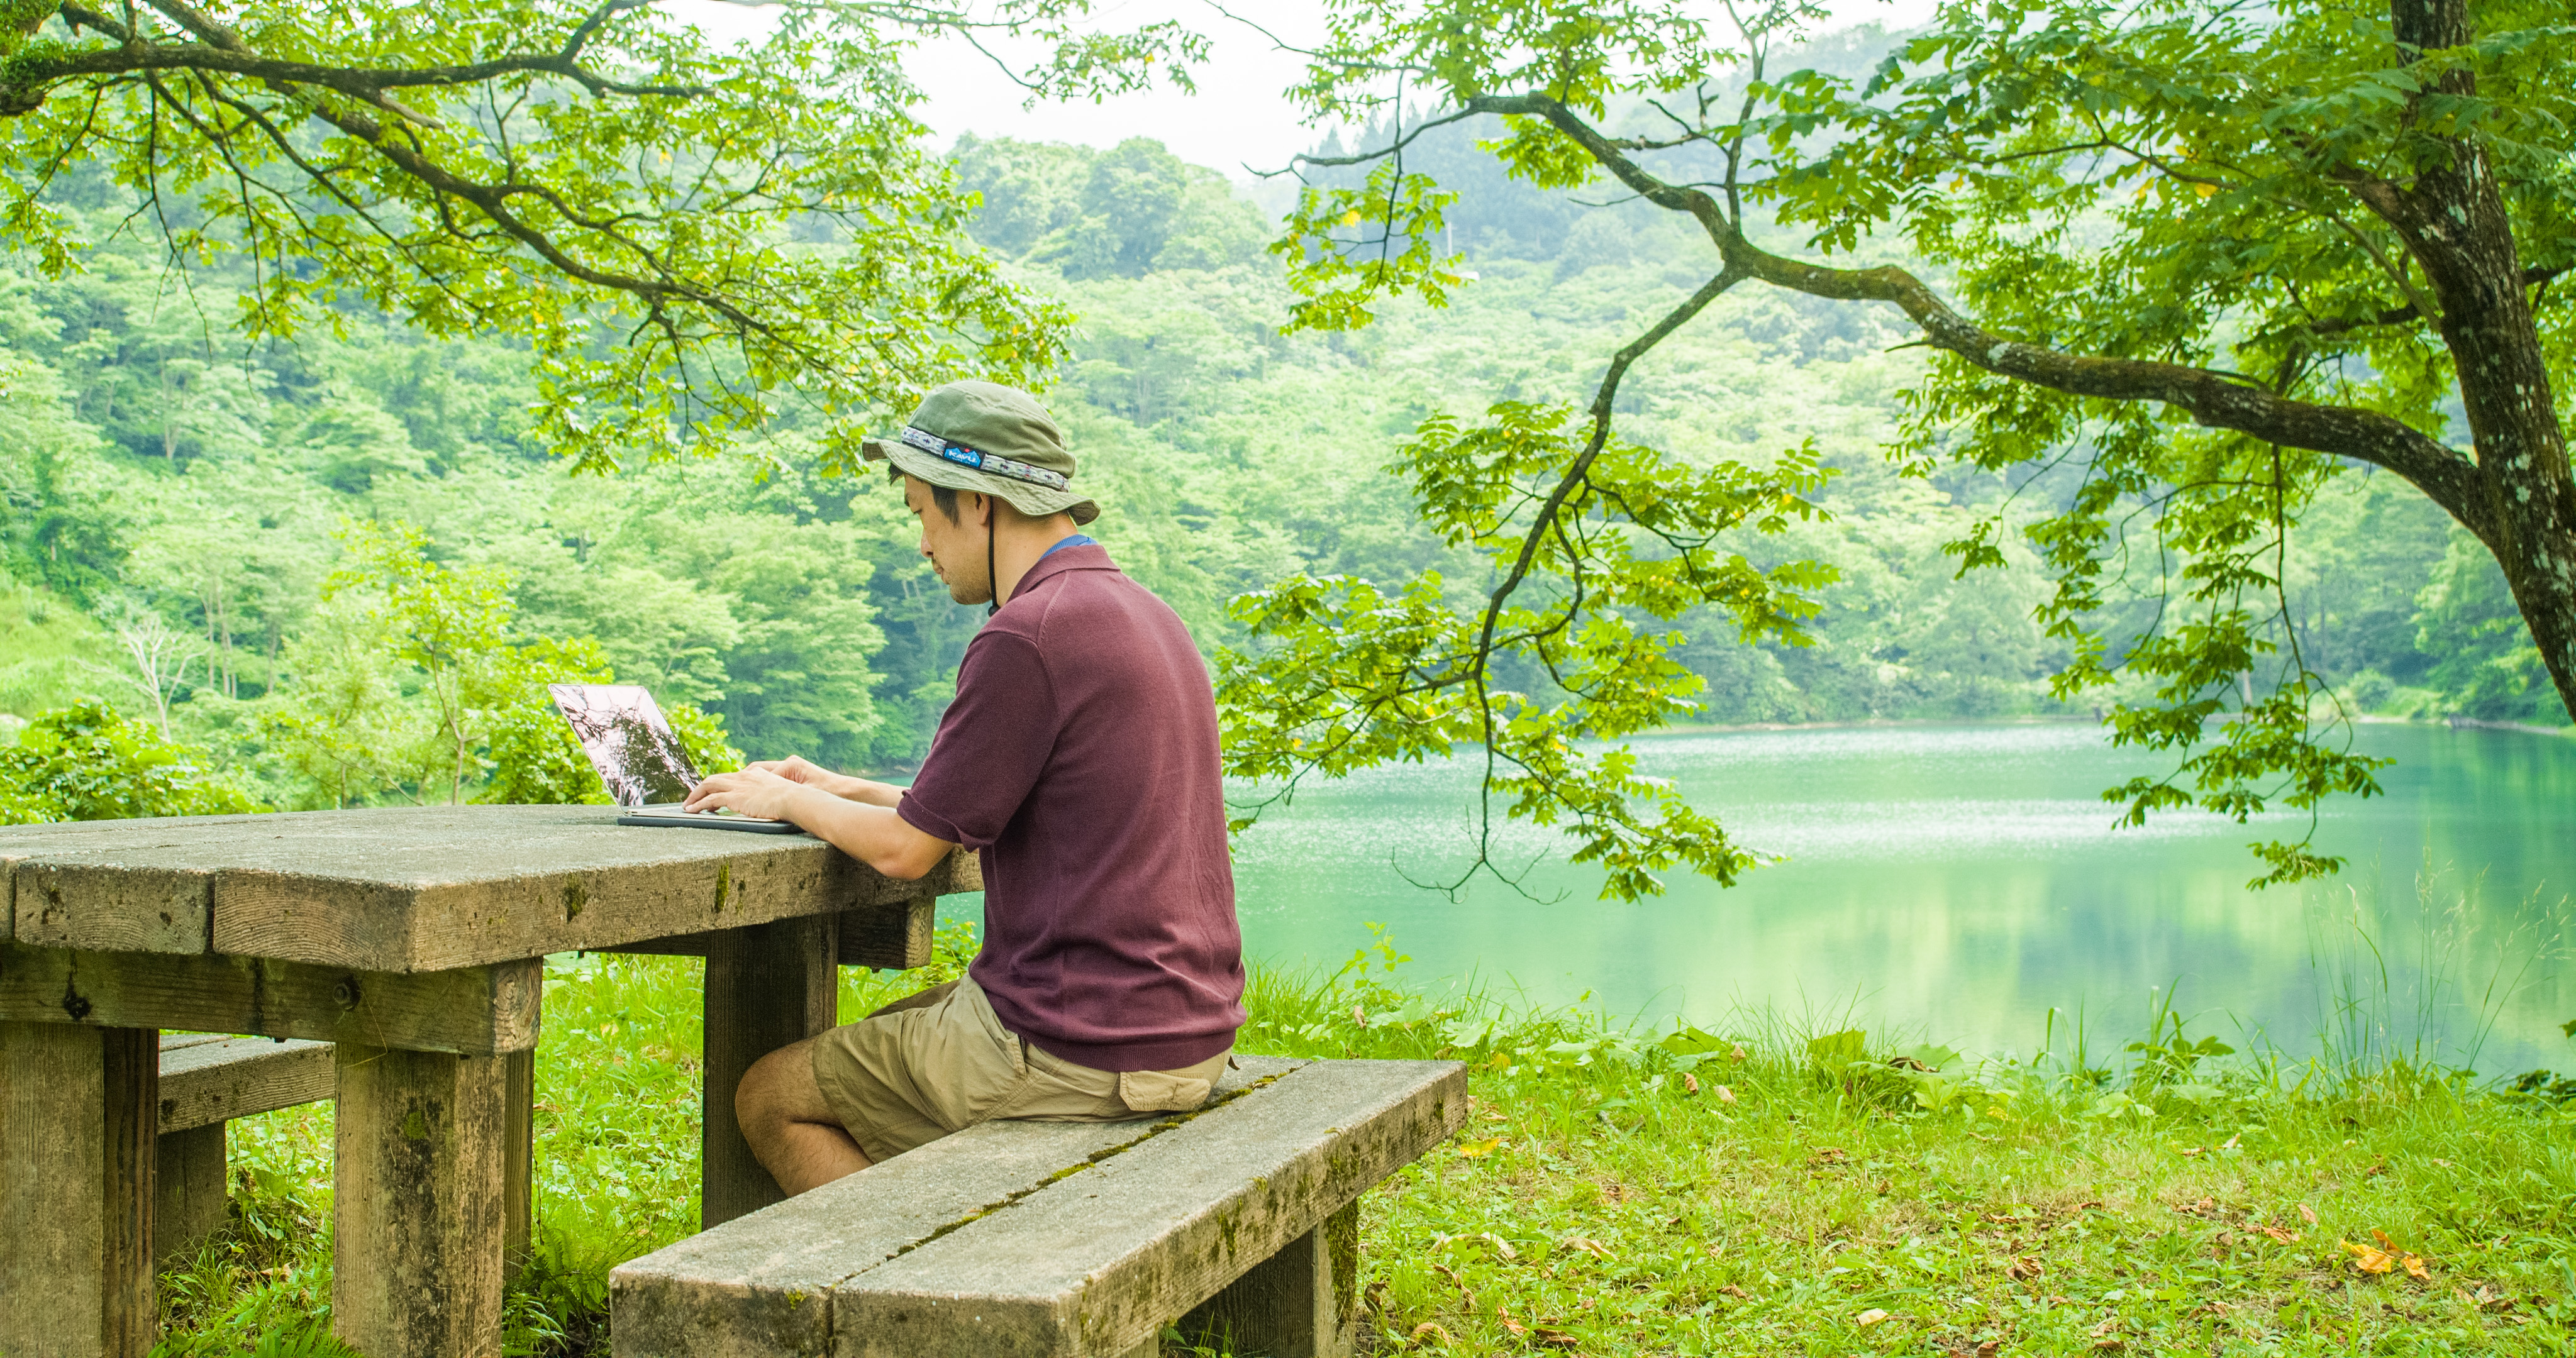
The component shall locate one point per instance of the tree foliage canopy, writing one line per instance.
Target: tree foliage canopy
(686, 234)
(2201, 255)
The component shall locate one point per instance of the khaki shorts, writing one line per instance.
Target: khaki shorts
(940, 1062)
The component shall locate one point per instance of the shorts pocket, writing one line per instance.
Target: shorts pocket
(1154, 1091)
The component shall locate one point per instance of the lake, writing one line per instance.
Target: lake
(1959, 882)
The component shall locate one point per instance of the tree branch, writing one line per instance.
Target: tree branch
(2216, 400)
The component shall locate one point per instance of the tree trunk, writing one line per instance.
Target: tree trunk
(2454, 222)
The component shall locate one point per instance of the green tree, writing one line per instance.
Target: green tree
(84, 762)
(2206, 256)
(2481, 654)
(687, 235)
(410, 673)
(536, 761)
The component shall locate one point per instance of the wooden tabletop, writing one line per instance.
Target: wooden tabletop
(411, 889)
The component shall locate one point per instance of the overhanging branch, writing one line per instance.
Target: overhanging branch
(2216, 400)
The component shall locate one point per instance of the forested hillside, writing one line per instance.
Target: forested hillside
(262, 549)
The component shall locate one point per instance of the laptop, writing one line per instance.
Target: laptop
(647, 771)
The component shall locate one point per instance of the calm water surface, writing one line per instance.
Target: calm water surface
(1962, 881)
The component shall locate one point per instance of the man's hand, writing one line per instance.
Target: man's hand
(756, 791)
(850, 817)
(798, 769)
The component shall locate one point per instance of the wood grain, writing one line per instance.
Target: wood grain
(115, 905)
(762, 1284)
(216, 1081)
(423, 888)
(471, 1010)
(890, 938)
(420, 1221)
(1098, 1262)
(190, 1197)
(766, 986)
(1299, 1303)
(78, 1155)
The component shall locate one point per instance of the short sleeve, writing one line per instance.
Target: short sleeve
(992, 742)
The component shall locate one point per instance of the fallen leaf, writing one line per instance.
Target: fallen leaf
(1690, 1083)
(1736, 1292)
(1359, 1016)
(1830, 1155)
(2230, 1144)
(1739, 1051)
(2284, 1237)
(1725, 1095)
(1504, 1314)
(1989, 1348)
(1477, 1150)
(1869, 1317)
(1556, 1339)
(1501, 1246)
(1429, 1332)
(2023, 1269)
(2307, 1214)
(2193, 1153)
(2412, 1262)
(1592, 1247)
(2370, 1260)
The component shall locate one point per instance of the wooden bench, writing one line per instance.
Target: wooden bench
(207, 1081)
(1066, 1239)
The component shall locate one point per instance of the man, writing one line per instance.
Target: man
(1079, 760)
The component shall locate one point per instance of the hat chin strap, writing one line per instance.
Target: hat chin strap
(992, 577)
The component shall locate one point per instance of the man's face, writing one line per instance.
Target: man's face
(955, 549)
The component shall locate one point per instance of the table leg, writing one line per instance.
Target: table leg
(189, 1195)
(421, 1211)
(518, 1154)
(767, 985)
(79, 1124)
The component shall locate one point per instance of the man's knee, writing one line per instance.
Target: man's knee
(779, 1088)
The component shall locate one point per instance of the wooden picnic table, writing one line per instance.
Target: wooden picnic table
(413, 938)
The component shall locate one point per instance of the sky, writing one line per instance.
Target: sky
(1237, 122)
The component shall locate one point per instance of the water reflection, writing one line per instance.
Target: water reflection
(1963, 880)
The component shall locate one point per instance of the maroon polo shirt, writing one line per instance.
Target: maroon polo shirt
(1079, 760)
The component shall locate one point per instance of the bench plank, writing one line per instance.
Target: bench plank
(475, 1010)
(1098, 1262)
(760, 1285)
(217, 1080)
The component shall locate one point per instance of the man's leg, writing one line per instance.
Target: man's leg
(794, 1133)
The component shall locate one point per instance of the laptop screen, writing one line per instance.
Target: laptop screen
(622, 731)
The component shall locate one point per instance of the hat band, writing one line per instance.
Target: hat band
(994, 463)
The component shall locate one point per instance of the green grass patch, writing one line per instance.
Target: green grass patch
(1752, 1188)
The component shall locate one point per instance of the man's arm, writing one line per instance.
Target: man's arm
(866, 830)
(798, 769)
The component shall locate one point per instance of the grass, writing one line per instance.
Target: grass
(1755, 1189)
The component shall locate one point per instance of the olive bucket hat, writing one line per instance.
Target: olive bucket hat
(990, 439)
